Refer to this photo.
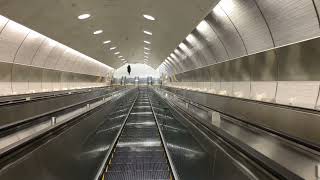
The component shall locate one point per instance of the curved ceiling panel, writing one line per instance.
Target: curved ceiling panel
(43, 52)
(247, 18)
(11, 38)
(28, 48)
(237, 28)
(227, 32)
(54, 56)
(215, 45)
(24, 50)
(290, 20)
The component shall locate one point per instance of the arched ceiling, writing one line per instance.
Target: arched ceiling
(121, 21)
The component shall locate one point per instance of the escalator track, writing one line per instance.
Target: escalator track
(139, 152)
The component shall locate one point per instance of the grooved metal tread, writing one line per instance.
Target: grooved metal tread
(139, 154)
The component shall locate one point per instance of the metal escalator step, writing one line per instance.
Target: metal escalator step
(161, 166)
(138, 175)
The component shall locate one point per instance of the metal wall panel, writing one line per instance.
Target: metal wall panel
(54, 56)
(56, 81)
(299, 62)
(226, 72)
(250, 23)
(290, 20)
(20, 79)
(28, 48)
(32, 57)
(5, 78)
(212, 41)
(265, 66)
(63, 60)
(47, 79)
(42, 54)
(214, 72)
(241, 69)
(11, 38)
(3, 22)
(35, 79)
(226, 31)
(317, 4)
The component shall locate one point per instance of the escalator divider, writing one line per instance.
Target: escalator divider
(104, 166)
(174, 175)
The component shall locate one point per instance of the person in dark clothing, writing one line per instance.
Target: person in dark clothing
(129, 69)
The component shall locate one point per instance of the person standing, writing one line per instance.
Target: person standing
(129, 69)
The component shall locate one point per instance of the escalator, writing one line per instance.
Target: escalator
(139, 151)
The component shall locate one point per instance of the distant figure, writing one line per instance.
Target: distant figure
(129, 69)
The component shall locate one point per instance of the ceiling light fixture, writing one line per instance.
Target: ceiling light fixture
(106, 42)
(147, 32)
(146, 53)
(146, 57)
(149, 17)
(120, 56)
(147, 42)
(84, 16)
(146, 48)
(117, 53)
(98, 32)
(113, 48)
(123, 59)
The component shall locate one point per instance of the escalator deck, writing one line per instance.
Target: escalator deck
(139, 154)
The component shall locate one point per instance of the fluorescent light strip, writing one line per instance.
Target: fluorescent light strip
(113, 48)
(146, 48)
(148, 32)
(117, 53)
(146, 53)
(84, 16)
(97, 32)
(147, 42)
(149, 17)
(106, 42)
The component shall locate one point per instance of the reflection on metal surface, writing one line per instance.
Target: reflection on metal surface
(139, 153)
(278, 149)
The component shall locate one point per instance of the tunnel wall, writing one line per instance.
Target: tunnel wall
(264, 50)
(31, 62)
